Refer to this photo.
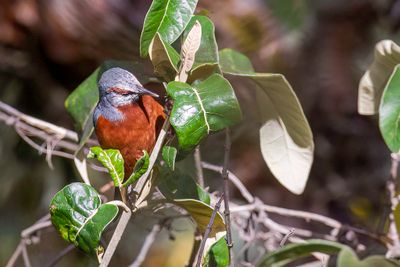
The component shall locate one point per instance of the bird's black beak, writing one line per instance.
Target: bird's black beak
(144, 91)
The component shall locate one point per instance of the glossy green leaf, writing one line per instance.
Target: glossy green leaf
(140, 168)
(176, 185)
(347, 258)
(78, 215)
(389, 112)
(198, 110)
(234, 62)
(218, 254)
(285, 136)
(81, 102)
(386, 57)
(167, 17)
(169, 156)
(293, 252)
(112, 160)
(201, 214)
(164, 57)
(206, 60)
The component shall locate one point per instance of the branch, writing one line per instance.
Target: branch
(199, 168)
(394, 247)
(208, 231)
(226, 195)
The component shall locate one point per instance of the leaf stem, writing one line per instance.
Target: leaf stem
(208, 231)
(225, 175)
(199, 168)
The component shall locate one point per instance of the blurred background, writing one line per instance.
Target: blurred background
(47, 47)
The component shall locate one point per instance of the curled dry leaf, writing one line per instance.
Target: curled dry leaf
(188, 51)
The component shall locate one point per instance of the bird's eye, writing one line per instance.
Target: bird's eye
(118, 91)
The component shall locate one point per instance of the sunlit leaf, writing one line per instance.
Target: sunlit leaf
(293, 252)
(140, 168)
(78, 215)
(81, 102)
(218, 254)
(389, 112)
(167, 17)
(169, 156)
(386, 57)
(164, 57)
(188, 51)
(177, 185)
(201, 214)
(112, 160)
(285, 136)
(347, 258)
(198, 110)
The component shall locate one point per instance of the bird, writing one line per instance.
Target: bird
(127, 116)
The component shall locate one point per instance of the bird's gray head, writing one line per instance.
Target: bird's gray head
(121, 87)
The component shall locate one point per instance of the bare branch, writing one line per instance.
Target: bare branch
(394, 248)
(208, 231)
(199, 168)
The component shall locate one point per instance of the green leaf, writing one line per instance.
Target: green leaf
(164, 57)
(112, 160)
(176, 185)
(347, 257)
(389, 112)
(386, 57)
(78, 215)
(234, 62)
(198, 110)
(218, 254)
(167, 17)
(296, 251)
(169, 156)
(208, 50)
(81, 102)
(285, 136)
(140, 168)
(201, 214)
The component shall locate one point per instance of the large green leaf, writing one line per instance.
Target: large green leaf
(293, 252)
(234, 62)
(206, 60)
(218, 254)
(387, 56)
(112, 160)
(164, 57)
(201, 214)
(285, 136)
(198, 110)
(78, 215)
(348, 258)
(167, 17)
(389, 112)
(82, 101)
(176, 185)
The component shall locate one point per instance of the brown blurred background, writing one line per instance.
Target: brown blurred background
(47, 47)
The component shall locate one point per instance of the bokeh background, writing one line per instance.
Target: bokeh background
(47, 47)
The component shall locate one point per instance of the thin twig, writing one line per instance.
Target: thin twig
(394, 247)
(11, 262)
(226, 195)
(233, 178)
(208, 231)
(195, 248)
(150, 238)
(60, 255)
(199, 168)
(123, 222)
(25, 256)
